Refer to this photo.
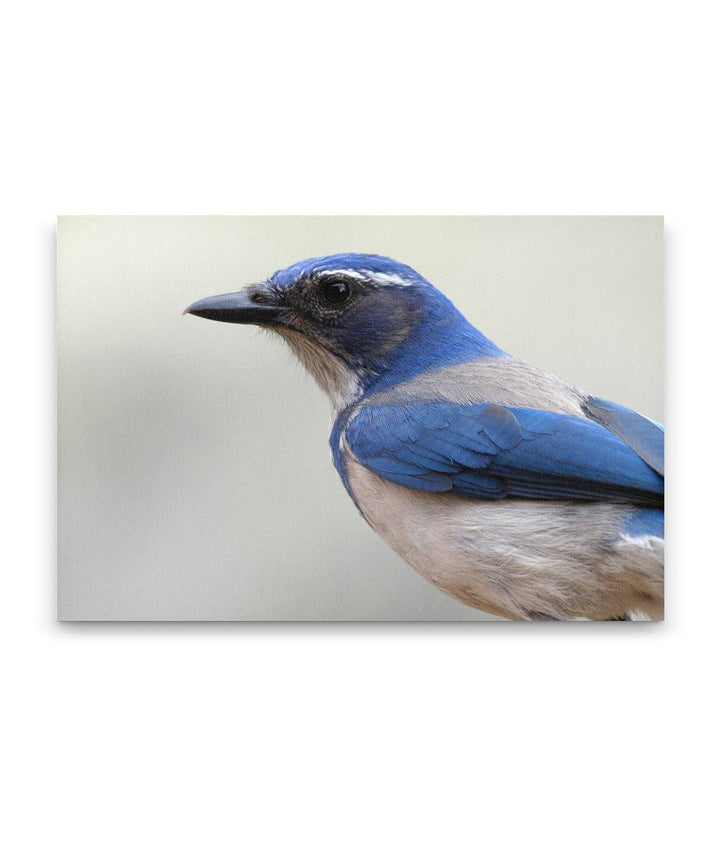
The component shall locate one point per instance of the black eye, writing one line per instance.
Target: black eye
(335, 292)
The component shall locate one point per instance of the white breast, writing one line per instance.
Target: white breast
(516, 558)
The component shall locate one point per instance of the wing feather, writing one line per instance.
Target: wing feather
(490, 451)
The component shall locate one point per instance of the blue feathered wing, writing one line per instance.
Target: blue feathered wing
(488, 451)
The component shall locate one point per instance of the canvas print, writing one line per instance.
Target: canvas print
(491, 388)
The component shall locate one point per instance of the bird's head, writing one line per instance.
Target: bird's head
(355, 321)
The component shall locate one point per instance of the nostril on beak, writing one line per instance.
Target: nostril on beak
(262, 297)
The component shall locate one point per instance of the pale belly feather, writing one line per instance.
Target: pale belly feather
(517, 558)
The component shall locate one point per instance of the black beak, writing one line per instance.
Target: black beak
(251, 306)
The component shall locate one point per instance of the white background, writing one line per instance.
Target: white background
(357, 739)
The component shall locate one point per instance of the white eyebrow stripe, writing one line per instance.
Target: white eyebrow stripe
(355, 274)
(393, 278)
(388, 278)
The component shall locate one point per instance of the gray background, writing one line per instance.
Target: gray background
(195, 479)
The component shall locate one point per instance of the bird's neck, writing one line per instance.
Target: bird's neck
(438, 340)
(441, 337)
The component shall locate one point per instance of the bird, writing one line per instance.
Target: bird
(511, 490)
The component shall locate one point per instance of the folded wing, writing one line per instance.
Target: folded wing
(644, 436)
(488, 451)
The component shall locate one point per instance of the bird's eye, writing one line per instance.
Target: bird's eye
(335, 292)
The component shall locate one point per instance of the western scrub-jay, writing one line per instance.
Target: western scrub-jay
(509, 489)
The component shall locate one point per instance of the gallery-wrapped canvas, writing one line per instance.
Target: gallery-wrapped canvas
(491, 389)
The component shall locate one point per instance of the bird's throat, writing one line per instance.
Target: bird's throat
(333, 375)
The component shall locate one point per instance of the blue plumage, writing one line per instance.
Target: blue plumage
(489, 451)
(644, 436)
(435, 333)
(511, 490)
(289, 276)
(647, 522)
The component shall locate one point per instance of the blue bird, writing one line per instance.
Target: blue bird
(511, 490)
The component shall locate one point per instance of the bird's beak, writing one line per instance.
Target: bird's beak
(254, 305)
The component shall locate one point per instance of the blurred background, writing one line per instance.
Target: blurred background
(194, 472)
